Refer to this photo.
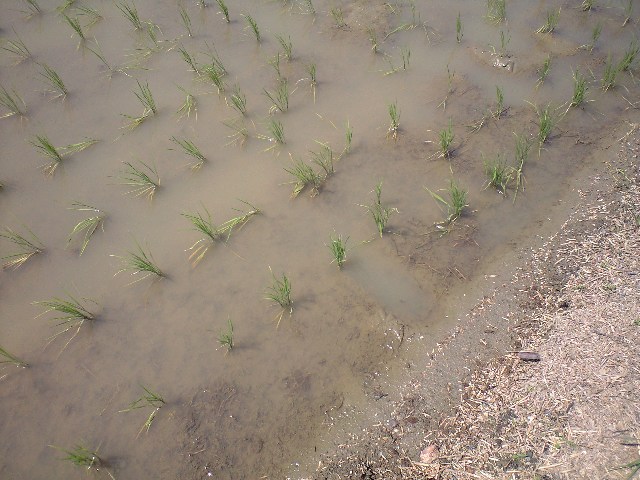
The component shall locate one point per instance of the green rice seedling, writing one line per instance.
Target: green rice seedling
(189, 60)
(279, 292)
(27, 248)
(275, 63)
(287, 46)
(279, 98)
(276, 129)
(139, 262)
(394, 117)
(628, 8)
(380, 213)
(251, 24)
(522, 148)
(75, 24)
(595, 35)
(12, 102)
(130, 12)
(579, 89)
(324, 158)
(405, 54)
(551, 22)
(148, 399)
(58, 88)
(190, 149)
(629, 56)
(498, 174)
(313, 80)
(499, 103)
(69, 314)
(17, 48)
(496, 11)
(81, 456)
(459, 33)
(189, 106)
(543, 71)
(348, 138)
(226, 337)
(610, 74)
(186, 19)
(87, 227)
(224, 10)
(46, 148)
(64, 6)
(586, 5)
(455, 205)
(305, 176)
(205, 226)
(547, 120)
(213, 73)
(141, 182)
(91, 14)
(97, 51)
(373, 39)
(6, 357)
(338, 17)
(238, 100)
(446, 137)
(33, 8)
(240, 132)
(307, 7)
(239, 221)
(146, 97)
(338, 248)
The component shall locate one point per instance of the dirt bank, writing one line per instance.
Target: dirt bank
(571, 415)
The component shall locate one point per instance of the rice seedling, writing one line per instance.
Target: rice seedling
(279, 292)
(7, 358)
(12, 102)
(498, 173)
(579, 89)
(17, 48)
(405, 54)
(313, 80)
(586, 5)
(446, 137)
(224, 10)
(27, 248)
(338, 248)
(348, 138)
(189, 60)
(324, 159)
(141, 182)
(130, 12)
(394, 117)
(238, 100)
(226, 337)
(98, 53)
(629, 56)
(380, 213)
(628, 8)
(74, 23)
(58, 88)
(551, 22)
(81, 456)
(338, 17)
(69, 314)
(543, 71)
(276, 130)
(33, 8)
(373, 39)
(287, 46)
(148, 399)
(240, 132)
(55, 155)
(455, 205)
(146, 97)
(186, 19)
(305, 176)
(189, 105)
(91, 14)
(139, 262)
(64, 6)
(190, 149)
(595, 35)
(87, 227)
(496, 11)
(307, 7)
(547, 120)
(279, 98)
(610, 74)
(499, 103)
(459, 33)
(213, 73)
(239, 221)
(522, 148)
(251, 24)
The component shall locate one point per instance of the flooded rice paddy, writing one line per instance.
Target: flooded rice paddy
(254, 410)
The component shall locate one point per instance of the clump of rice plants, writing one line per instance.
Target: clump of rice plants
(446, 137)
(313, 80)
(74, 23)
(143, 181)
(145, 97)
(455, 205)
(628, 8)
(287, 46)
(547, 121)
(324, 158)
(253, 26)
(189, 105)
(496, 11)
(91, 14)
(224, 10)
(279, 98)
(459, 33)
(595, 35)
(189, 60)
(139, 262)
(8, 358)
(522, 148)
(55, 155)
(610, 74)
(394, 121)
(215, 75)
(64, 6)
(338, 247)
(12, 102)
(87, 227)
(629, 56)
(543, 71)
(148, 399)
(498, 174)
(226, 337)
(307, 7)
(27, 247)
(276, 131)
(500, 109)
(586, 5)
(57, 86)
(81, 456)
(279, 292)
(579, 89)
(240, 132)
(17, 48)
(130, 12)
(238, 100)
(338, 17)
(305, 177)
(186, 19)
(189, 148)
(70, 314)
(33, 8)
(348, 138)
(551, 22)
(373, 39)
(379, 212)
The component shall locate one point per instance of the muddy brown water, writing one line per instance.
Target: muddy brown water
(263, 406)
